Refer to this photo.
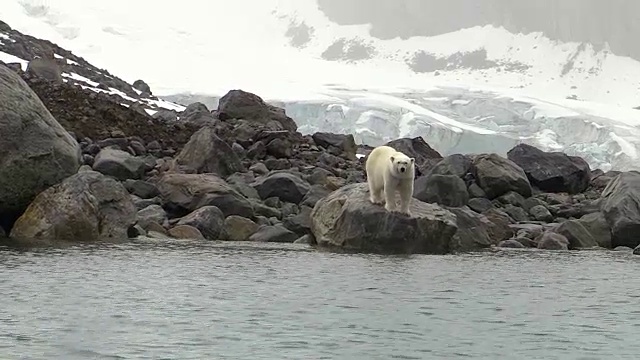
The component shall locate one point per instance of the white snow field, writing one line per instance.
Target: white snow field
(210, 47)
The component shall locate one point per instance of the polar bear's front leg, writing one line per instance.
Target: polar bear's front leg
(390, 186)
(406, 193)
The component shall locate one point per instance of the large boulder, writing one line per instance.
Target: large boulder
(619, 204)
(35, 151)
(475, 231)
(119, 164)
(197, 114)
(447, 190)
(346, 220)
(85, 207)
(344, 142)
(426, 157)
(239, 104)
(206, 152)
(283, 185)
(552, 171)
(497, 176)
(184, 193)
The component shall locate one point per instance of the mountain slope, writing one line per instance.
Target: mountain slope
(477, 89)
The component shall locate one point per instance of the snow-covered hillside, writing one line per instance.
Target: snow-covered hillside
(474, 90)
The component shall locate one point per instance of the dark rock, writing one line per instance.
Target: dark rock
(512, 198)
(45, 68)
(315, 193)
(284, 185)
(274, 233)
(497, 176)
(186, 232)
(142, 189)
(516, 213)
(541, 213)
(577, 234)
(447, 190)
(239, 104)
(299, 223)
(513, 244)
(346, 220)
(597, 226)
(552, 241)
(166, 116)
(265, 210)
(475, 191)
(197, 114)
(280, 148)
(35, 151)
(620, 207)
(142, 86)
(152, 213)
(426, 157)
(346, 143)
(209, 220)
(480, 205)
(119, 164)
(474, 231)
(207, 153)
(184, 193)
(552, 171)
(500, 229)
(85, 207)
(237, 228)
(456, 164)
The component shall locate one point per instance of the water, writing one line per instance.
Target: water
(194, 300)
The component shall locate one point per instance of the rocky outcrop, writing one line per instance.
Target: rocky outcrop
(206, 152)
(621, 209)
(497, 176)
(552, 171)
(239, 104)
(35, 152)
(85, 207)
(346, 220)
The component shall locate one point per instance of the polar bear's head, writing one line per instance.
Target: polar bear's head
(402, 166)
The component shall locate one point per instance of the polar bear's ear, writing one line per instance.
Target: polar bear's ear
(393, 159)
(413, 160)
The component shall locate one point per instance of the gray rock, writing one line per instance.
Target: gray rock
(152, 213)
(597, 226)
(619, 205)
(197, 114)
(578, 236)
(274, 233)
(513, 244)
(446, 190)
(239, 104)
(305, 239)
(299, 223)
(474, 231)
(35, 151)
(237, 228)
(347, 220)
(480, 205)
(497, 176)
(456, 164)
(184, 193)
(315, 193)
(85, 207)
(207, 153)
(552, 241)
(142, 189)
(541, 213)
(284, 185)
(209, 220)
(45, 68)
(344, 142)
(119, 164)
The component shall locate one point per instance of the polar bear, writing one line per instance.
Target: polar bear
(388, 171)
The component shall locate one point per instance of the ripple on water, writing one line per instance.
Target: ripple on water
(189, 300)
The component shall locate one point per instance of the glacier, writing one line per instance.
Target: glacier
(477, 89)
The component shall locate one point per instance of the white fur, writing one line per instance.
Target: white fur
(384, 175)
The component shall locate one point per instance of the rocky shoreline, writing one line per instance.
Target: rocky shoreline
(77, 166)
